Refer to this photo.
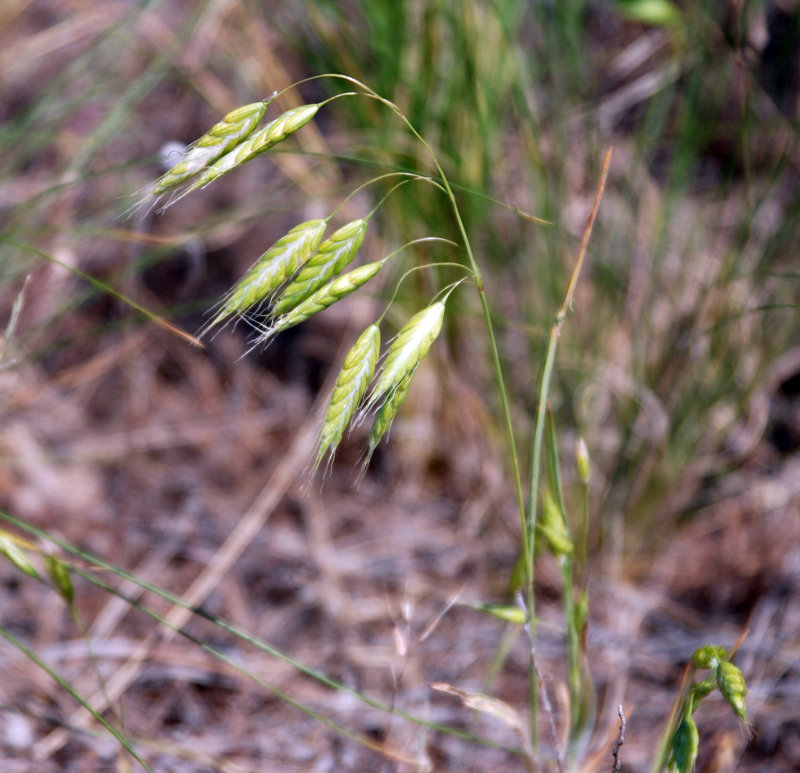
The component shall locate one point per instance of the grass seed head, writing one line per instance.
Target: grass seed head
(356, 373)
(326, 296)
(408, 349)
(273, 268)
(234, 128)
(386, 413)
(274, 132)
(265, 138)
(731, 684)
(330, 259)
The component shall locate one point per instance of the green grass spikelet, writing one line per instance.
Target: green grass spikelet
(357, 371)
(233, 129)
(273, 268)
(407, 350)
(330, 259)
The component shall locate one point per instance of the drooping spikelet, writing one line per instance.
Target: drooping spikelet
(408, 349)
(233, 129)
(356, 373)
(732, 686)
(273, 268)
(326, 296)
(329, 260)
(386, 413)
(265, 138)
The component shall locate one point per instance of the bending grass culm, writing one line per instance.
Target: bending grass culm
(301, 275)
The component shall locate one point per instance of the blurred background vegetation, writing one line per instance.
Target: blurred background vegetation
(679, 363)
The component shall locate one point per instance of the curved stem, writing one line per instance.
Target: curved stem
(495, 354)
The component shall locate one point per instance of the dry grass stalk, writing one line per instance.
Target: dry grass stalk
(273, 268)
(233, 129)
(357, 371)
(329, 260)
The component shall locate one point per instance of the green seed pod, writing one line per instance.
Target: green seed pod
(356, 373)
(707, 656)
(273, 268)
(731, 684)
(330, 259)
(233, 129)
(684, 747)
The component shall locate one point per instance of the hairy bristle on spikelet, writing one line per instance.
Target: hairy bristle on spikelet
(233, 129)
(273, 268)
(330, 259)
(356, 373)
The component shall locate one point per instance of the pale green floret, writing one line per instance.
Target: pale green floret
(233, 129)
(731, 684)
(685, 745)
(386, 413)
(330, 259)
(273, 268)
(356, 373)
(265, 138)
(408, 349)
(326, 296)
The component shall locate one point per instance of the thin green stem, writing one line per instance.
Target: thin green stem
(529, 522)
(495, 354)
(103, 287)
(67, 687)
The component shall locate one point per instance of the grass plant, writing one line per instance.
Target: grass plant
(657, 357)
